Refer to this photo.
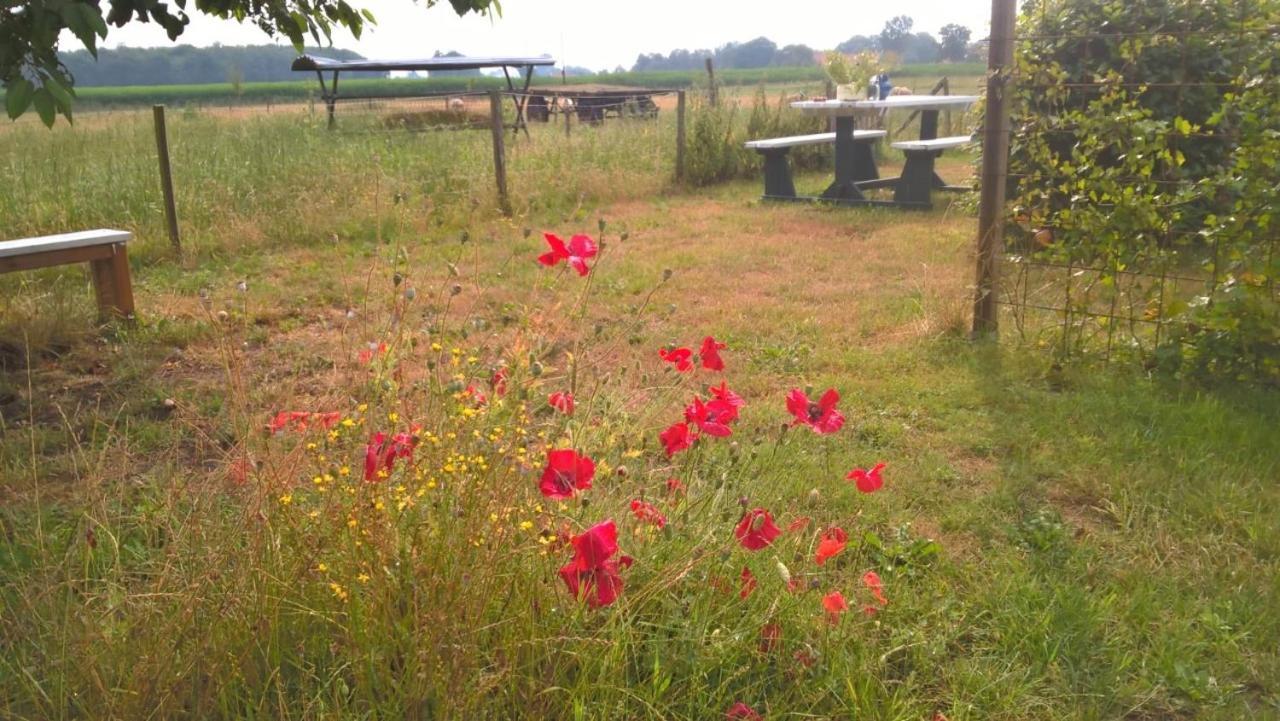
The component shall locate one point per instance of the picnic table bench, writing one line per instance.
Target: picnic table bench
(778, 184)
(102, 249)
(918, 176)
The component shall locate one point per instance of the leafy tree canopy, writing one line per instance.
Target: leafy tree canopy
(34, 77)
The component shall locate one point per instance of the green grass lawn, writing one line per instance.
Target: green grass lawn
(1073, 542)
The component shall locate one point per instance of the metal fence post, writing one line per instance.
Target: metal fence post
(499, 150)
(680, 133)
(166, 177)
(995, 167)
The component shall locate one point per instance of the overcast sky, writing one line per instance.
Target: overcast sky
(598, 34)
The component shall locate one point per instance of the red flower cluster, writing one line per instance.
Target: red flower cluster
(576, 253)
(593, 574)
(756, 530)
(381, 452)
(365, 356)
(648, 513)
(498, 381)
(871, 580)
(301, 420)
(566, 474)
(867, 481)
(822, 416)
(682, 357)
(711, 417)
(831, 544)
(834, 604)
(561, 401)
(741, 712)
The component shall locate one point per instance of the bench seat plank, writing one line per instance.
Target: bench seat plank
(815, 139)
(957, 141)
(64, 241)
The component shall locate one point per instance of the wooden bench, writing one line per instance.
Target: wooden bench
(777, 173)
(918, 177)
(102, 249)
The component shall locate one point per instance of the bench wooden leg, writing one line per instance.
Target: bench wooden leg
(777, 174)
(111, 284)
(917, 177)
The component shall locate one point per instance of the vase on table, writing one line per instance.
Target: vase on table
(847, 92)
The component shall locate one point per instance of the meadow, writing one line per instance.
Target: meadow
(310, 480)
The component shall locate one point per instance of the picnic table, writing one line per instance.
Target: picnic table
(849, 181)
(329, 93)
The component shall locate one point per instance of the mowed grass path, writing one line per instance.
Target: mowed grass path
(1108, 542)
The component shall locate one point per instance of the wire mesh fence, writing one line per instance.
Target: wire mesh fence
(1141, 177)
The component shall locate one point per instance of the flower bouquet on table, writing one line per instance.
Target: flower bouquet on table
(847, 72)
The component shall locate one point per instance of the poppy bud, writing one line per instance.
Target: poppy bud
(527, 232)
(602, 224)
(431, 364)
(624, 235)
(785, 573)
(535, 369)
(667, 273)
(814, 584)
(621, 471)
(455, 289)
(814, 497)
(464, 236)
(410, 293)
(744, 501)
(397, 279)
(586, 502)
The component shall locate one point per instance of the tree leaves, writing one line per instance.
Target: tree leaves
(34, 77)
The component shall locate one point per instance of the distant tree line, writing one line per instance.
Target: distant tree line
(186, 64)
(952, 45)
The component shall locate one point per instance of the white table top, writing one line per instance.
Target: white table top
(64, 241)
(893, 102)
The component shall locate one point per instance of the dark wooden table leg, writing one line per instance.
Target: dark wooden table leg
(845, 186)
(777, 174)
(112, 285)
(928, 124)
(917, 178)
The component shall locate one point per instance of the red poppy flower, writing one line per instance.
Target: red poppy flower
(499, 382)
(748, 583)
(674, 485)
(327, 420)
(712, 418)
(722, 393)
(770, 637)
(834, 605)
(476, 395)
(677, 438)
(284, 418)
(871, 580)
(648, 513)
(741, 712)
(579, 249)
(381, 453)
(561, 401)
(681, 358)
(799, 524)
(868, 481)
(366, 354)
(593, 574)
(710, 354)
(756, 529)
(822, 416)
(566, 474)
(832, 543)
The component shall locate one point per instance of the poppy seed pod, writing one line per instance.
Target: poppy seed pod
(667, 273)
(410, 293)
(527, 232)
(535, 369)
(455, 289)
(814, 497)
(397, 278)
(602, 223)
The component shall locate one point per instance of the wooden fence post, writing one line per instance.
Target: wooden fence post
(995, 168)
(499, 150)
(166, 177)
(680, 135)
(713, 95)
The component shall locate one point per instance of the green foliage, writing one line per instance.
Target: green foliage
(29, 35)
(1148, 148)
(716, 151)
